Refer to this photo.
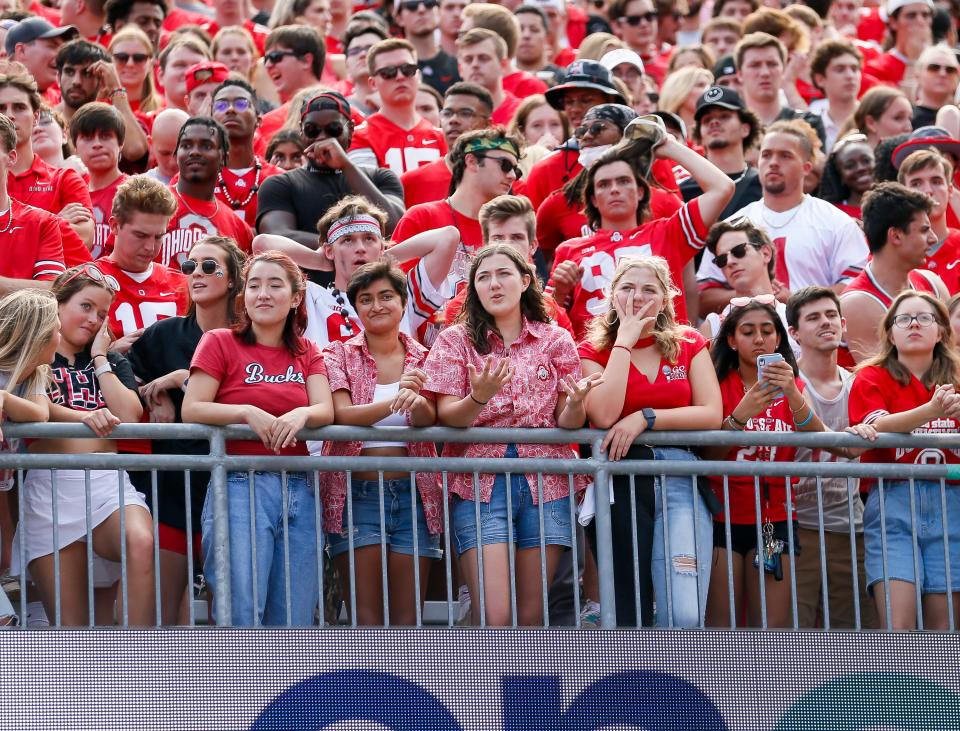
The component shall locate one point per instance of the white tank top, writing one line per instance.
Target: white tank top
(386, 392)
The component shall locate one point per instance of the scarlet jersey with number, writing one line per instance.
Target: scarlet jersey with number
(240, 192)
(677, 239)
(865, 282)
(144, 297)
(378, 142)
(426, 184)
(945, 261)
(30, 244)
(195, 219)
(102, 206)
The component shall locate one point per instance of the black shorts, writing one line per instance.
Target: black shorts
(743, 537)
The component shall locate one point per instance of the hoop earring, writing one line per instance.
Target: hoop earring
(607, 319)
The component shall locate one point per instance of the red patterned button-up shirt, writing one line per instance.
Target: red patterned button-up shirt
(542, 355)
(350, 367)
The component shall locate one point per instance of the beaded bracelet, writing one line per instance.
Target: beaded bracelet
(801, 424)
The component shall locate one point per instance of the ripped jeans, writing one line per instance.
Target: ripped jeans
(691, 547)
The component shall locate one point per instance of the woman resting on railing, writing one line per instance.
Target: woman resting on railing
(911, 386)
(657, 374)
(506, 364)
(94, 386)
(265, 374)
(771, 401)
(376, 378)
(161, 361)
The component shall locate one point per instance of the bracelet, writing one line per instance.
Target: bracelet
(741, 424)
(120, 91)
(798, 409)
(105, 368)
(801, 424)
(624, 347)
(733, 424)
(478, 401)
(98, 355)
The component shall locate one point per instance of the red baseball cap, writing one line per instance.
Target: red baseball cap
(206, 72)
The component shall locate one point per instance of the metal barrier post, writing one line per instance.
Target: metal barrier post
(601, 481)
(221, 530)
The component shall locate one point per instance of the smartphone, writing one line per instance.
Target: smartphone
(764, 360)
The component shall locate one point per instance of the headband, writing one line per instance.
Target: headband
(326, 100)
(363, 223)
(496, 143)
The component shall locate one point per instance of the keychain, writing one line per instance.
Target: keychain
(772, 548)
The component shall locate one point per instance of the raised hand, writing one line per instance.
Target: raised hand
(486, 384)
(634, 325)
(577, 391)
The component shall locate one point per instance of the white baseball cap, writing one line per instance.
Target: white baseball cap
(612, 59)
(893, 6)
(558, 5)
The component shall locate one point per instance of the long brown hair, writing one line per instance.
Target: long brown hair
(478, 321)
(296, 323)
(235, 258)
(945, 367)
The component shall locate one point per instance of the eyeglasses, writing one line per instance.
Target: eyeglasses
(312, 131)
(124, 58)
(411, 6)
(738, 252)
(760, 299)
(89, 270)
(506, 165)
(593, 130)
(936, 68)
(635, 20)
(278, 56)
(924, 319)
(407, 70)
(207, 266)
(464, 113)
(241, 105)
(354, 51)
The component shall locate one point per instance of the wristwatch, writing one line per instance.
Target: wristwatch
(650, 415)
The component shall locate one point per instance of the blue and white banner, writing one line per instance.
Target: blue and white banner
(469, 680)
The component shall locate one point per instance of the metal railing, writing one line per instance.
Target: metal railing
(219, 464)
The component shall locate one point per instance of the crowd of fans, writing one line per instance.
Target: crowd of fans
(630, 214)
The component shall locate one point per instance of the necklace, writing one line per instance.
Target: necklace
(9, 213)
(253, 189)
(342, 308)
(763, 216)
(740, 176)
(216, 206)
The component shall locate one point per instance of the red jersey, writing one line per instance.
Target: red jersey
(523, 84)
(378, 142)
(270, 124)
(677, 239)
(195, 219)
(427, 183)
(872, 26)
(258, 32)
(875, 393)
(144, 297)
(240, 192)
(918, 279)
(888, 68)
(669, 390)
(852, 211)
(945, 261)
(773, 493)
(30, 245)
(503, 114)
(428, 216)
(102, 208)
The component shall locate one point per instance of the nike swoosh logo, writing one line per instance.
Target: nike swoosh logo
(167, 294)
(429, 142)
(952, 265)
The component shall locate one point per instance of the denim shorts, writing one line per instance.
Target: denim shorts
(525, 516)
(397, 520)
(743, 537)
(899, 543)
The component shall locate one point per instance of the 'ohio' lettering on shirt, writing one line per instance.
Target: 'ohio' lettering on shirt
(255, 374)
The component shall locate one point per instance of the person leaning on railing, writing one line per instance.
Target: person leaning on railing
(265, 374)
(656, 374)
(376, 378)
(506, 364)
(94, 386)
(161, 361)
(911, 386)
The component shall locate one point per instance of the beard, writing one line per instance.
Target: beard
(718, 143)
(776, 187)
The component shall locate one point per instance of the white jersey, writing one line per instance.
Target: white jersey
(816, 244)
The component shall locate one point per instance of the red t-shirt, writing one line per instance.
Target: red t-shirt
(503, 114)
(677, 239)
(875, 393)
(945, 261)
(31, 247)
(195, 219)
(269, 378)
(270, 124)
(378, 142)
(852, 211)
(242, 191)
(773, 494)
(102, 200)
(427, 183)
(258, 32)
(428, 216)
(144, 297)
(669, 390)
(887, 68)
(523, 84)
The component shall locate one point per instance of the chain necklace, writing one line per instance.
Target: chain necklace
(216, 208)
(342, 308)
(9, 213)
(763, 215)
(253, 190)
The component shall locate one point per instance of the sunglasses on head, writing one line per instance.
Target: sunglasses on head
(506, 165)
(312, 131)
(738, 252)
(124, 58)
(635, 20)
(277, 56)
(592, 129)
(760, 299)
(207, 266)
(222, 105)
(90, 271)
(411, 6)
(407, 70)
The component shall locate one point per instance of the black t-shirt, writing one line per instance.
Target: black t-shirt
(748, 190)
(76, 387)
(440, 72)
(810, 118)
(308, 193)
(923, 116)
(164, 347)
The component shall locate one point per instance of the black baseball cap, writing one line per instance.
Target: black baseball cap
(726, 66)
(584, 75)
(33, 29)
(718, 96)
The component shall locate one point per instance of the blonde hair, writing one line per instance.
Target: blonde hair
(150, 100)
(241, 32)
(296, 105)
(595, 45)
(28, 319)
(678, 85)
(602, 330)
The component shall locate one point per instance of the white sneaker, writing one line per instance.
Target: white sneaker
(36, 616)
(463, 606)
(590, 615)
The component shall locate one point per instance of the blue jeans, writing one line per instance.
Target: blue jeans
(690, 533)
(271, 559)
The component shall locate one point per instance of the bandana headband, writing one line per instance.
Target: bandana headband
(364, 223)
(497, 143)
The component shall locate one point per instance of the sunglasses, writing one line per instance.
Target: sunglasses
(506, 165)
(406, 70)
(312, 131)
(593, 130)
(278, 56)
(207, 266)
(124, 58)
(89, 270)
(738, 252)
(411, 6)
(241, 105)
(760, 299)
(635, 20)
(936, 68)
